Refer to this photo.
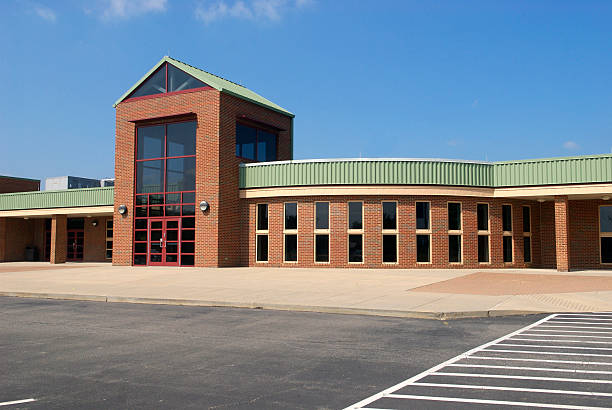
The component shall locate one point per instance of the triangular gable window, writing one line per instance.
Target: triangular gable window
(169, 79)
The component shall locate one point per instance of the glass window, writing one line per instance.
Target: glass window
(291, 244)
(389, 248)
(423, 247)
(322, 215)
(606, 249)
(179, 80)
(483, 217)
(246, 139)
(483, 248)
(181, 139)
(262, 248)
(422, 215)
(150, 142)
(355, 244)
(180, 174)
(321, 248)
(454, 248)
(291, 221)
(454, 216)
(156, 84)
(605, 219)
(526, 219)
(507, 249)
(262, 217)
(355, 217)
(507, 218)
(527, 249)
(266, 146)
(149, 176)
(389, 210)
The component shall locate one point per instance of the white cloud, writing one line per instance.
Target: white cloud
(262, 10)
(45, 13)
(129, 8)
(571, 145)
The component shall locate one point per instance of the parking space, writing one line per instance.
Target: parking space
(563, 361)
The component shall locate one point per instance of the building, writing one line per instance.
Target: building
(14, 184)
(204, 176)
(71, 182)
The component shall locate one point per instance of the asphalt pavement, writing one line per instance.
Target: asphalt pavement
(74, 354)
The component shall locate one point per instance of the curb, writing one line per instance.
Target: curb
(273, 306)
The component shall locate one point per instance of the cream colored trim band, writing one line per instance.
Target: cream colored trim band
(78, 211)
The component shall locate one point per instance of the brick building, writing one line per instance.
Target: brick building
(205, 177)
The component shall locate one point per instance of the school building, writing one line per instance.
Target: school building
(204, 176)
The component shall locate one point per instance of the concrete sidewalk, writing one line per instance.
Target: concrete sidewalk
(427, 293)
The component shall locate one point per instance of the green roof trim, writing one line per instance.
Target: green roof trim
(214, 81)
(67, 198)
(401, 171)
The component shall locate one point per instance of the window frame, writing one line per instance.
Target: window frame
(527, 234)
(291, 231)
(262, 232)
(109, 238)
(602, 234)
(486, 233)
(322, 232)
(350, 231)
(257, 128)
(455, 232)
(423, 232)
(389, 232)
(508, 234)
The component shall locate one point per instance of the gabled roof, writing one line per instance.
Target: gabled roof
(214, 81)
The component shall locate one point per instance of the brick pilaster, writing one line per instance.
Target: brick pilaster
(59, 238)
(562, 233)
(2, 239)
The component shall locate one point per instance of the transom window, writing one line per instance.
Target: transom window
(167, 79)
(255, 144)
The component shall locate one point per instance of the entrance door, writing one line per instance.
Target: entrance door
(74, 249)
(164, 242)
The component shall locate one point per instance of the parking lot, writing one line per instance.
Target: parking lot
(562, 361)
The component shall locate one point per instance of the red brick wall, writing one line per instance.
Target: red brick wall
(59, 238)
(10, 184)
(584, 233)
(16, 234)
(94, 247)
(406, 228)
(547, 239)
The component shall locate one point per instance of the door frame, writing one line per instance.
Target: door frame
(164, 241)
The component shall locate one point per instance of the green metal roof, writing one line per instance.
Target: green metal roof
(67, 198)
(214, 81)
(549, 171)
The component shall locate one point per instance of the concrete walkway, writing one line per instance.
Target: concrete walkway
(425, 293)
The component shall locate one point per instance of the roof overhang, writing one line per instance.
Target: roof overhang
(82, 211)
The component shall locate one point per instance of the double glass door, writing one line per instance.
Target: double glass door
(74, 249)
(164, 247)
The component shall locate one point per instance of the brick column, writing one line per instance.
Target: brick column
(2, 239)
(562, 233)
(59, 239)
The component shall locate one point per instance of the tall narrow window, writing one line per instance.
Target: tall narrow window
(455, 232)
(507, 232)
(605, 233)
(355, 232)
(109, 239)
(291, 232)
(482, 212)
(389, 229)
(526, 234)
(255, 144)
(423, 232)
(261, 233)
(321, 232)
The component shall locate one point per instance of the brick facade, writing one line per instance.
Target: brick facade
(12, 184)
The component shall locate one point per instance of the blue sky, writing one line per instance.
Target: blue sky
(480, 80)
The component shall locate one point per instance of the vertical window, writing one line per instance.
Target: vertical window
(482, 212)
(423, 232)
(605, 233)
(355, 231)
(261, 233)
(321, 232)
(290, 231)
(507, 232)
(255, 144)
(454, 232)
(389, 229)
(109, 239)
(526, 234)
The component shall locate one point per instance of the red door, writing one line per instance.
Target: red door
(164, 242)
(74, 245)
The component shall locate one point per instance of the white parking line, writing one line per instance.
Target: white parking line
(10, 403)
(546, 337)
(578, 323)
